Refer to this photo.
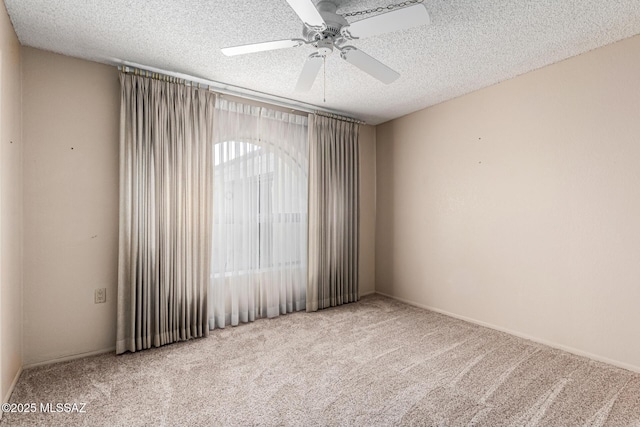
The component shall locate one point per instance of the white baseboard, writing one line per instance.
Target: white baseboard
(6, 397)
(69, 357)
(368, 293)
(568, 349)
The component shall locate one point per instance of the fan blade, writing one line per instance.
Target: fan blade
(260, 47)
(369, 65)
(396, 20)
(308, 13)
(309, 72)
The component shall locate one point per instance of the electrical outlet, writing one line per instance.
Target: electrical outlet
(100, 295)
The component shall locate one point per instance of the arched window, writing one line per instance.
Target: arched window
(248, 205)
(259, 252)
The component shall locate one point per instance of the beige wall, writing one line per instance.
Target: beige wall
(71, 116)
(366, 272)
(11, 146)
(519, 205)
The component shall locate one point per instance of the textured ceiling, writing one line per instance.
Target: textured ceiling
(469, 45)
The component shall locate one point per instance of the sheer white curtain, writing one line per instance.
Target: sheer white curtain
(259, 252)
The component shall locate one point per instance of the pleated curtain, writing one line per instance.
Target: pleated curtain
(259, 260)
(166, 202)
(333, 213)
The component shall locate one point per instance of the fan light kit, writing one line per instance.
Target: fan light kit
(325, 30)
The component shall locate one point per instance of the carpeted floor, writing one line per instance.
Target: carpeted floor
(376, 362)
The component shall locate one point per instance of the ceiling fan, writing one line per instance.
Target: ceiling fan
(325, 31)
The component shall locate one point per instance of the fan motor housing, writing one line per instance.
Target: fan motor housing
(325, 46)
(334, 23)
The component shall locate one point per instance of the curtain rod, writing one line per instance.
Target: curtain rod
(339, 117)
(231, 90)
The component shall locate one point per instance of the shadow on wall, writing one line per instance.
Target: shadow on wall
(385, 215)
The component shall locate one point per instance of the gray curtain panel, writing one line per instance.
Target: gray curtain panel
(334, 215)
(166, 194)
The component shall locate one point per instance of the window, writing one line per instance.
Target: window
(259, 248)
(245, 212)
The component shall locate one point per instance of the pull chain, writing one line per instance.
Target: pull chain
(324, 75)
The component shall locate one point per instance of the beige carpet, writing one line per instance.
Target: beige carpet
(375, 362)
